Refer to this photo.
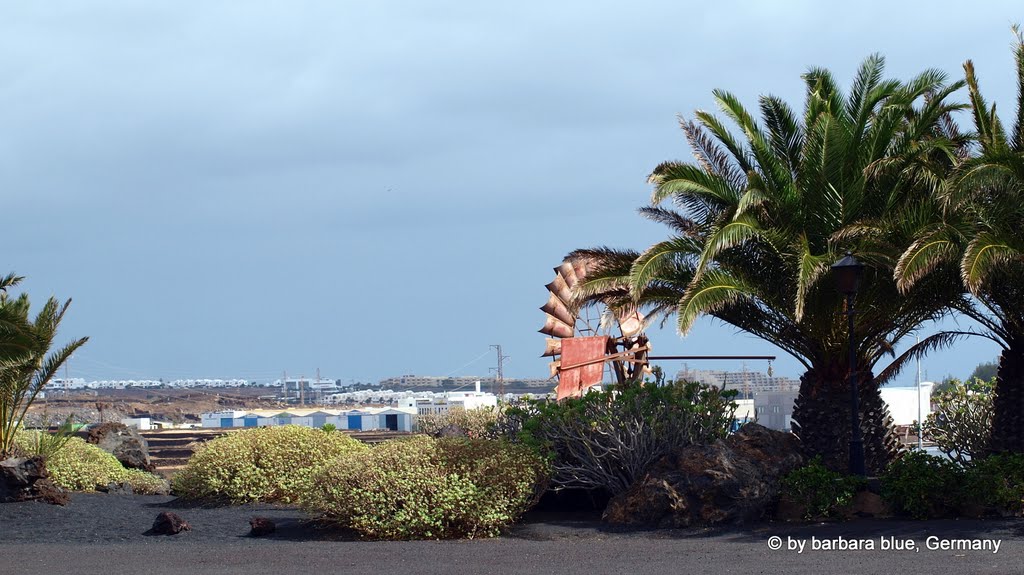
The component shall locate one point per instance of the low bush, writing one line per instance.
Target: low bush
(822, 492)
(422, 487)
(261, 464)
(923, 486)
(996, 483)
(474, 422)
(37, 442)
(607, 439)
(81, 466)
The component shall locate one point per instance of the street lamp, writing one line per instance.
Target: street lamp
(848, 272)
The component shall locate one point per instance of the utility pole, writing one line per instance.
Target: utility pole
(500, 371)
(920, 424)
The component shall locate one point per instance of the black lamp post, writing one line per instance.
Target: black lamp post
(848, 272)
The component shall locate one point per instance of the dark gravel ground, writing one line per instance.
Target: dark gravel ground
(105, 534)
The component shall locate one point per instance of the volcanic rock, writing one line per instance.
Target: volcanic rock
(261, 526)
(48, 492)
(168, 523)
(125, 443)
(18, 477)
(115, 488)
(735, 480)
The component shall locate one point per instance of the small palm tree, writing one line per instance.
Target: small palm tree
(26, 363)
(978, 233)
(764, 215)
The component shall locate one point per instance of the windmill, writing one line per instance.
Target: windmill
(581, 347)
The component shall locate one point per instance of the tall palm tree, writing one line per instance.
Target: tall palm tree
(978, 232)
(762, 216)
(26, 362)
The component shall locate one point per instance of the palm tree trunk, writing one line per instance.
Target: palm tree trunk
(821, 418)
(1008, 403)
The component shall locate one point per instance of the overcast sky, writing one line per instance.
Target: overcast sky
(238, 189)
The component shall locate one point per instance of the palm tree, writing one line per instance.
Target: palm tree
(26, 363)
(978, 233)
(764, 215)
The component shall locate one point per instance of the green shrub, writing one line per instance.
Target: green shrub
(421, 487)
(143, 483)
(44, 443)
(997, 482)
(81, 466)
(825, 493)
(260, 464)
(608, 439)
(475, 422)
(923, 486)
(962, 420)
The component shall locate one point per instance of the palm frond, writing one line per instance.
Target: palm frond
(984, 253)
(941, 340)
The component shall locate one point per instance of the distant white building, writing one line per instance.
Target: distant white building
(748, 383)
(66, 383)
(451, 400)
(362, 419)
(140, 423)
(744, 411)
(903, 402)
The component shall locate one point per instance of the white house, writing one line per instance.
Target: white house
(903, 402)
(450, 400)
(363, 419)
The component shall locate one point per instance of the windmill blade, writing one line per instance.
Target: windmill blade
(552, 347)
(560, 289)
(556, 327)
(554, 366)
(556, 307)
(568, 273)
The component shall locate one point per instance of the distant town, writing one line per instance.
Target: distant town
(745, 382)
(393, 391)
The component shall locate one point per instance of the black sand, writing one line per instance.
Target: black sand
(105, 534)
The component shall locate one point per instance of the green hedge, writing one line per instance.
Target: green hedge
(923, 486)
(261, 464)
(824, 493)
(421, 487)
(81, 466)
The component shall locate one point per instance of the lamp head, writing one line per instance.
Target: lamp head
(848, 272)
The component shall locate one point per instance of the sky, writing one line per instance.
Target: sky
(231, 189)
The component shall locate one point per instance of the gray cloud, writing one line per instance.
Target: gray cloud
(228, 187)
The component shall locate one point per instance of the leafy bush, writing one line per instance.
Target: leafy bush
(997, 482)
(824, 493)
(81, 466)
(261, 464)
(608, 439)
(475, 422)
(962, 420)
(923, 485)
(422, 487)
(142, 482)
(45, 443)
